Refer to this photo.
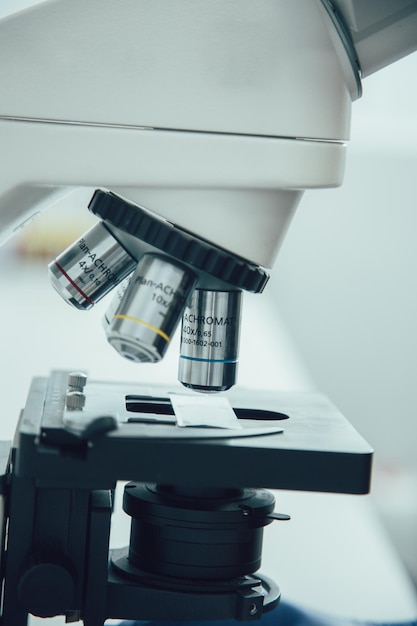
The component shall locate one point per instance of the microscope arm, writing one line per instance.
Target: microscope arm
(230, 110)
(176, 170)
(189, 110)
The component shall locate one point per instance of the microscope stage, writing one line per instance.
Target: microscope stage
(296, 441)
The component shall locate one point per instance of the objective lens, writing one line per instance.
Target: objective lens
(210, 340)
(90, 268)
(115, 302)
(150, 309)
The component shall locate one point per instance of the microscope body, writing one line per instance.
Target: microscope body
(213, 115)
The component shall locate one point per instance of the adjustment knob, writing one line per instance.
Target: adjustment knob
(75, 401)
(77, 381)
(47, 589)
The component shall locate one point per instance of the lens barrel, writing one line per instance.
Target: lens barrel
(210, 340)
(91, 267)
(119, 292)
(150, 309)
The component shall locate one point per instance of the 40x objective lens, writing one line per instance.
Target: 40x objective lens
(150, 309)
(210, 340)
(90, 268)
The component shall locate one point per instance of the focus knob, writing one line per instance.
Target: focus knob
(75, 401)
(77, 381)
(47, 589)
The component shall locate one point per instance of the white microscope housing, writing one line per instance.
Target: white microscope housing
(213, 115)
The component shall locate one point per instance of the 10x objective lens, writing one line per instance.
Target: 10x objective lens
(210, 340)
(90, 268)
(150, 309)
(115, 302)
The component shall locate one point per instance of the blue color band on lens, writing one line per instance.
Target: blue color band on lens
(191, 358)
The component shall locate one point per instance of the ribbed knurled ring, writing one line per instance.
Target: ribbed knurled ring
(180, 244)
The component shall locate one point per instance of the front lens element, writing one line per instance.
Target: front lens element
(90, 268)
(150, 309)
(210, 340)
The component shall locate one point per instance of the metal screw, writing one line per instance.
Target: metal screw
(74, 401)
(245, 510)
(77, 381)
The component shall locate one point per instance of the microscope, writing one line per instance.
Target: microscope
(198, 125)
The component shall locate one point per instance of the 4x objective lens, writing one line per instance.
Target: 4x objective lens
(90, 268)
(210, 340)
(150, 308)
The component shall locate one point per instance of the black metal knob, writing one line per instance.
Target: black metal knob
(47, 589)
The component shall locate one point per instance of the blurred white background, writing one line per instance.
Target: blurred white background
(345, 286)
(345, 278)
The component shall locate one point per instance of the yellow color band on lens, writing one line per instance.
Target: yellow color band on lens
(156, 330)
